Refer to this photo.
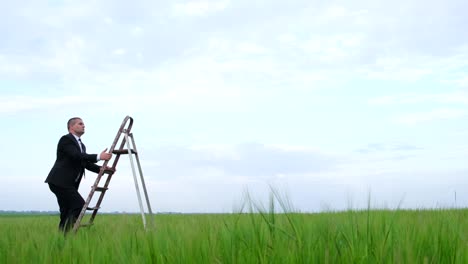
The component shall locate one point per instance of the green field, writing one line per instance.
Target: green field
(256, 234)
(368, 236)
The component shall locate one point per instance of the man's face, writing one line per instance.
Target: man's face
(78, 127)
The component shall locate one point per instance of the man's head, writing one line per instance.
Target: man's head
(76, 126)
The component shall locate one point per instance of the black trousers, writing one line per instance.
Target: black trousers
(70, 203)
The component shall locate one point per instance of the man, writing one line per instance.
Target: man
(65, 176)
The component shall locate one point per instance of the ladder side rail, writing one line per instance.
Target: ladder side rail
(136, 181)
(117, 138)
(142, 179)
(114, 165)
(106, 184)
(89, 198)
(120, 131)
(117, 157)
(98, 203)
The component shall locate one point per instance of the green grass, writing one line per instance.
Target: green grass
(261, 235)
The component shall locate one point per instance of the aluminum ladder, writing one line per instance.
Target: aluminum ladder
(129, 142)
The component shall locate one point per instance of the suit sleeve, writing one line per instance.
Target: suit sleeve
(93, 167)
(69, 148)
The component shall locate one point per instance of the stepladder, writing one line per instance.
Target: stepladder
(123, 144)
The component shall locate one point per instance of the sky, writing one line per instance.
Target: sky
(334, 104)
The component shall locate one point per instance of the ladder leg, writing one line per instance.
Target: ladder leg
(136, 181)
(142, 181)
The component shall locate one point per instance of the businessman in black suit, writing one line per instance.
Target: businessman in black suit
(65, 176)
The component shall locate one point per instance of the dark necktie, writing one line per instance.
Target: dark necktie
(82, 151)
(82, 146)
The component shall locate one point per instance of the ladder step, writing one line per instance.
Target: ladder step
(101, 189)
(109, 171)
(123, 151)
(92, 208)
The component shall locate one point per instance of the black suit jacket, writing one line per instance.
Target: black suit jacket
(71, 163)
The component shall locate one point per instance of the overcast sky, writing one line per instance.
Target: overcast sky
(326, 101)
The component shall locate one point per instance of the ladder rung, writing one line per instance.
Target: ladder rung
(109, 171)
(92, 208)
(101, 189)
(123, 151)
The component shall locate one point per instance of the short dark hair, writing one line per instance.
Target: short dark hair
(72, 121)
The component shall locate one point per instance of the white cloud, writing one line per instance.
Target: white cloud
(140, 90)
(335, 12)
(11, 67)
(119, 52)
(251, 48)
(108, 20)
(254, 160)
(414, 67)
(137, 31)
(287, 38)
(66, 57)
(14, 104)
(397, 68)
(200, 8)
(392, 148)
(58, 16)
(415, 98)
(462, 81)
(437, 114)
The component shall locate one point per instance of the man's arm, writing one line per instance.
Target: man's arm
(69, 148)
(93, 167)
(103, 156)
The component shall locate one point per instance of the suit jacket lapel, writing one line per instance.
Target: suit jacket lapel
(76, 141)
(83, 164)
